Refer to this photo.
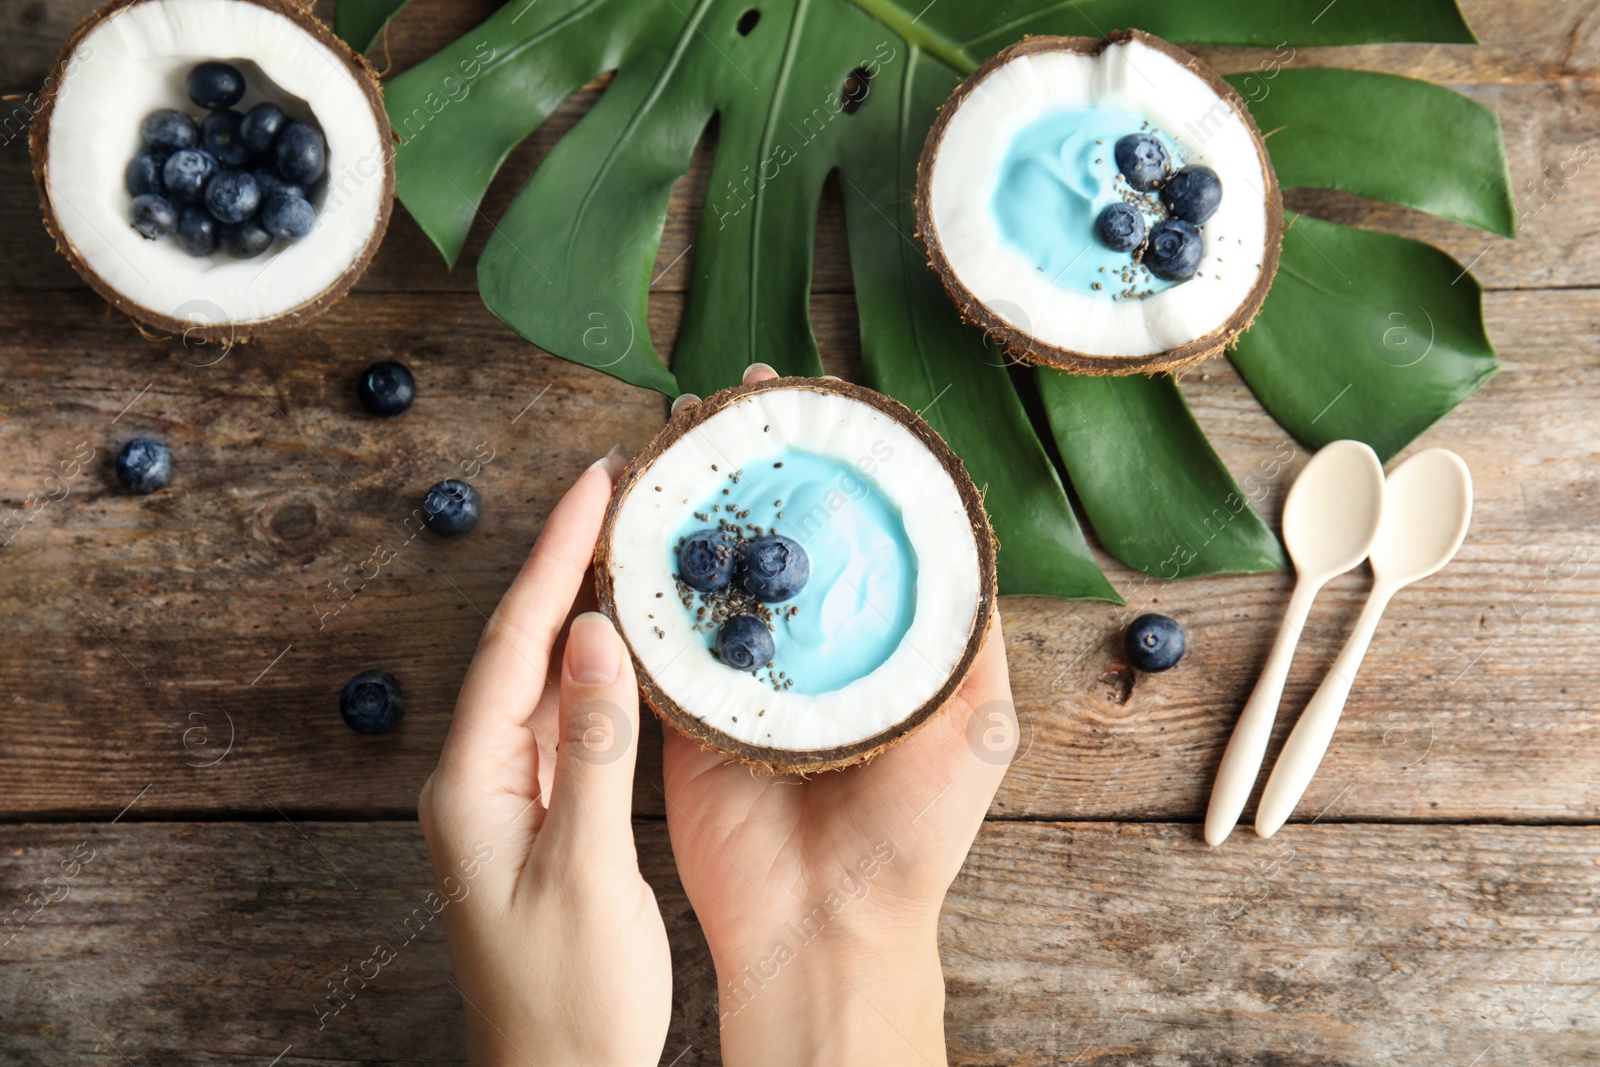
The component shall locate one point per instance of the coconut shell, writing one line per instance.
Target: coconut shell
(151, 323)
(791, 761)
(1030, 349)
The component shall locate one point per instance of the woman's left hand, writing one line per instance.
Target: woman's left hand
(557, 942)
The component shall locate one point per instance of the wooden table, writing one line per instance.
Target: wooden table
(168, 724)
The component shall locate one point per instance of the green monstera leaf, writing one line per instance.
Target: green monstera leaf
(802, 89)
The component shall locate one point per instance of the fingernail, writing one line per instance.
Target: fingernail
(594, 654)
(616, 462)
(613, 462)
(833, 377)
(684, 398)
(755, 368)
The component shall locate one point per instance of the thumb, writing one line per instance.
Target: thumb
(592, 791)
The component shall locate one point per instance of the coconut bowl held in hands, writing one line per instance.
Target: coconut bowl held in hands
(215, 168)
(802, 571)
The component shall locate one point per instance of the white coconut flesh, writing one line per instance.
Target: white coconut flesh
(135, 62)
(760, 429)
(1128, 76)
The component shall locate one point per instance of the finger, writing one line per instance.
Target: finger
(758, 372)
(592, 794)
(508, 672)
(683, 401)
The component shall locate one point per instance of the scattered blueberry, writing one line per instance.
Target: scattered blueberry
(288, 216)
(1121, 227)
(219, 135)
(705, 560)
(233, 196)
(153, 216)
(244, 240)
(186, 173)
(272, 185)
(261, 126)
(452, 507)
(1192, 194)
(387, 388)
(215, 86)
(745, 643)
(197, 232)
(1154, 643)
(169, 130)
(1143, 160)
(144, 175)
(773, 568)
(301, 155)
(1174, 250)
(371, 703)
(144, 465)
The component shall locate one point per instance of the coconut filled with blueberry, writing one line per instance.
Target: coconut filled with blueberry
(802, 570)
(214, 168)
(1101, 206)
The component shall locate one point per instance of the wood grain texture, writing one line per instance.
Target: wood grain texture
(129, 620)
(1089, 944)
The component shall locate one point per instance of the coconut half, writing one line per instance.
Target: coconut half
(1001, 289)
(925, 609)
(131, 58)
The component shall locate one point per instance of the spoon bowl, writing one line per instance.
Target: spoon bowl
(1333, 510)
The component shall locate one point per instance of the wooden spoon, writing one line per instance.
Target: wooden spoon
(1329, 522)
(1427, 506)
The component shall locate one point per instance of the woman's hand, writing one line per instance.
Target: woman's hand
(820, 897)
(557, 942)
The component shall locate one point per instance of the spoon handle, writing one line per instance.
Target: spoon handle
(1308, 741)
(1236, 777)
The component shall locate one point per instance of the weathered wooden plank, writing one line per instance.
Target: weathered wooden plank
(129, 621)
(1081, 943)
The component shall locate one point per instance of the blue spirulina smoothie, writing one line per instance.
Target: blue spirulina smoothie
(862, 592)
(1054, 180)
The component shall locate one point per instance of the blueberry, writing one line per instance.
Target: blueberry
(272, 185)
(232, 196)
(301, 155)
(219, 135)
(1174, 250)
(1121, 227)
(144, 175)
(705, 560)
(197, 232)
(153, 216)
(144, 465)
(244, 240)
(1154, 643)
(261, 126)
(1192, 194)
(215, 85)
(186, 173)
(745, 643)
(773, 568)
(1143, 160)
(288, 216)
(387, 388)
(371, 703)
(169, 130)
(452, 507)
